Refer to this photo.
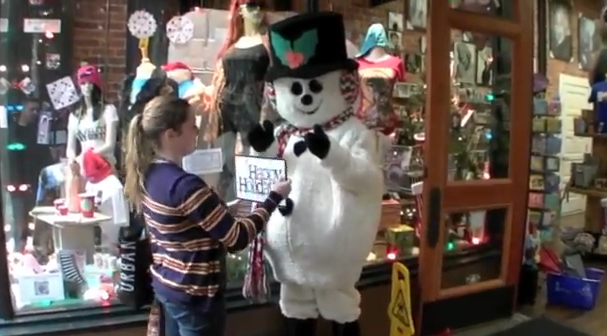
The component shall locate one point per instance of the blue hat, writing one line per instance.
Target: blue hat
(376, 37)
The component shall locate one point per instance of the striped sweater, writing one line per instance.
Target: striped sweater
(190, 229)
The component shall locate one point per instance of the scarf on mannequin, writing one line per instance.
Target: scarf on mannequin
(376, 37)
(255, 282)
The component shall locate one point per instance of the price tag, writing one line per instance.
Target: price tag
(42, 26)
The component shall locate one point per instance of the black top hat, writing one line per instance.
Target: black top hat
(307, 46)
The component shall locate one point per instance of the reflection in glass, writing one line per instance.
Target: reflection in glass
(479, 123)
(480, 235)
(497, 8)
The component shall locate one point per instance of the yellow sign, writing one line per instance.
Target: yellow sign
(399, 310)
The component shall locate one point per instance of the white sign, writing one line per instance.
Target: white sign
(255, 176)
(180, 29)
(3, 25)
(62, 93)
(142, 24)
(41, 287)
(203, 161)
(3, 117)
(41, 26)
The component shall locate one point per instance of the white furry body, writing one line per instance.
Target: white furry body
(318, 251)
(337, 206)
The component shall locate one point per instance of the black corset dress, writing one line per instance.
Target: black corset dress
(242, 95)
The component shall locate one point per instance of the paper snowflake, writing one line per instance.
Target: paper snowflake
(142, 24)
(180, 29)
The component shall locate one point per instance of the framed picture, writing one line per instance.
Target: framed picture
(422, 45)
(464, 62)
(395, 21)
(559, 33)
(417, 14)
(395, 42)
(589, 41)
(413, 63)
(484, 66)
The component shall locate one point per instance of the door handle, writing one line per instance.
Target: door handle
(434, 217)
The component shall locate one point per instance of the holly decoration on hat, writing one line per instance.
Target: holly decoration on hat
(297, 53)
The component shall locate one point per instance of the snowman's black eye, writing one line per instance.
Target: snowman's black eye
(296, 88)
(315, 86)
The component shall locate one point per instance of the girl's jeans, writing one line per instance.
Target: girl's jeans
(190, 320)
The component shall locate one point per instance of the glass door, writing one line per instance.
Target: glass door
(480, 68)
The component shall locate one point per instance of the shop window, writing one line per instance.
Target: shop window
(484, 7)
(480, 122)
(469, 231)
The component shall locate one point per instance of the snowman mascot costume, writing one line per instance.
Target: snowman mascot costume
(318, 249)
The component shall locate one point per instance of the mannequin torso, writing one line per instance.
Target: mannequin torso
(378, 72)
(94, 127)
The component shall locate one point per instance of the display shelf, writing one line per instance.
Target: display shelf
(590, 178)
(544, 206)
(591, 192)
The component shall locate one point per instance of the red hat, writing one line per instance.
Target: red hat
(178, 71)
(95, 167)
(88, 74)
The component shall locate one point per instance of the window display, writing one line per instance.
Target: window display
(60, 159)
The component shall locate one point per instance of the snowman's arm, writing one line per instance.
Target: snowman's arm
(355, 168)
(272, 151)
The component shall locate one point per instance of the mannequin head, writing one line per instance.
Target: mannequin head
(89, 82)
(376, 39)
(243, 13)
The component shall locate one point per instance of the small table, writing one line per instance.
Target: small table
(72, 231)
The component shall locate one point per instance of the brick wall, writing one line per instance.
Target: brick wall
(99, 42)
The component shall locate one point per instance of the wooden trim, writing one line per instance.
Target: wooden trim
(439, 86)
(521, 117)
(449, 293)
(481, 23)
(510, 193)
(482, 194)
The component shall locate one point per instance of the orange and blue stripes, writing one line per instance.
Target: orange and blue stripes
(190, 231)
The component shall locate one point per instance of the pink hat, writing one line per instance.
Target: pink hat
(88, 74)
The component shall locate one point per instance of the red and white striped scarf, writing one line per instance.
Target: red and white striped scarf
(286, 131)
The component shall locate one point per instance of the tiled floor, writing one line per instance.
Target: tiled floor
(592, 322)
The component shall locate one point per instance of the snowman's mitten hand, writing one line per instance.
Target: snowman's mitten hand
(318, 142)
(261, 136)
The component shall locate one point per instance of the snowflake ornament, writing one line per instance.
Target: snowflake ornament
(180, 29)
(142, 24)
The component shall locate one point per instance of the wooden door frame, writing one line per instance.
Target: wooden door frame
(476, 195)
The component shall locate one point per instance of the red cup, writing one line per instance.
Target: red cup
(87, 205)
(62, 210)
(59, 202)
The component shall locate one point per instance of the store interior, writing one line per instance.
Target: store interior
(62, 257)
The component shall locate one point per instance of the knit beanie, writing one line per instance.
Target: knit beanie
(95, 167)
(88, 74)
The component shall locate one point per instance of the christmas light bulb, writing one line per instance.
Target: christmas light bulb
(25, 68)
(2, 68)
